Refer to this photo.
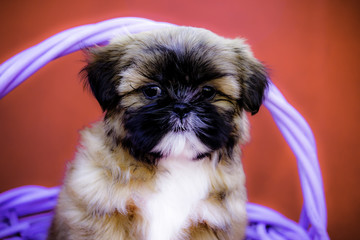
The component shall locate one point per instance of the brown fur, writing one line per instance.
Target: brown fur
(105, 186)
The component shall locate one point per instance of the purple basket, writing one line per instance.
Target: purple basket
(26, 212)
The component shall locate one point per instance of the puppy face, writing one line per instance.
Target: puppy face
(176, 92)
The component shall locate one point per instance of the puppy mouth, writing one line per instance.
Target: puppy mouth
(182, 125)
(181, 140)
(181, 144)
(179, 129)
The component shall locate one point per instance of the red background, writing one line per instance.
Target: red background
(311, 48)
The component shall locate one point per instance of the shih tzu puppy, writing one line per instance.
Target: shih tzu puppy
(164, 164)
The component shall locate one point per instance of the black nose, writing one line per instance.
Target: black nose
(181, 109)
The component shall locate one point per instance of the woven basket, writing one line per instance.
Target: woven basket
(26, 212)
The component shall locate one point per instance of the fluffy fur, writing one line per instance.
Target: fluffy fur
(165, 161)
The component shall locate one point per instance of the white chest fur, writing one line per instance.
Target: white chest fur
(180, 186)
(166, 200)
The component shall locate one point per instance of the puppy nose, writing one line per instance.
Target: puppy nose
(181, 109)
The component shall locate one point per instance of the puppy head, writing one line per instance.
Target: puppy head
(177, 91)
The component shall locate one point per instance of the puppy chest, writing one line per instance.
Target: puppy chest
(173, 206)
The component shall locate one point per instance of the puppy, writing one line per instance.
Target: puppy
(165, 161)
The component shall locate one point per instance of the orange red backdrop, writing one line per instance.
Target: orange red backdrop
(310, 47)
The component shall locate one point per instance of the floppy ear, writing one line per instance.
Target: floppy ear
(101, 73)
(252, 76)
(253, 88)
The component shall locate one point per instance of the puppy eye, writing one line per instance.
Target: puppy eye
(151, 91)
(208, 92)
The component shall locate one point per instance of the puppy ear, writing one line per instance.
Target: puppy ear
(101, 76)
(253, 88)
(252, 76)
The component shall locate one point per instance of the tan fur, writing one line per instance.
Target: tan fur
(102, 189)
(106, 191)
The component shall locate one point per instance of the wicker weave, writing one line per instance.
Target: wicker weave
(26, 212)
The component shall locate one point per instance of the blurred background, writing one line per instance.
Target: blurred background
(312, 51)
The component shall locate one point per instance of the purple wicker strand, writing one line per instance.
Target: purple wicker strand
(26, 63)
(25, 210)
(298, 136)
